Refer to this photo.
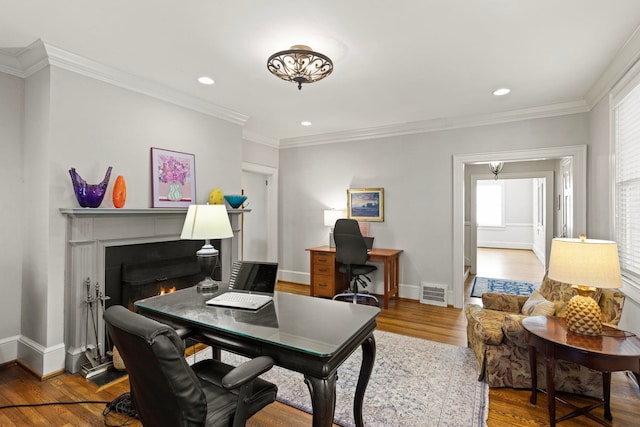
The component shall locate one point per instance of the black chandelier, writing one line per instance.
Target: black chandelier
(300, 65)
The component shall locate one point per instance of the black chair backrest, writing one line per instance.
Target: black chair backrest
(164, 388)
(351, 248)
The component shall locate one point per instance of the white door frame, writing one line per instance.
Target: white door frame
(272, 205)
(577, 152)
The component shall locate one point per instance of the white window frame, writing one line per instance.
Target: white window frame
(630, 279)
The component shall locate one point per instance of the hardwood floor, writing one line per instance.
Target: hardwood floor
(507, 407)
(512, 264)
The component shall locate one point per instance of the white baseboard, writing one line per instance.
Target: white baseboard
(41, 360)
(505, 245)
(405, 291)
(294, 276)
(9, 349)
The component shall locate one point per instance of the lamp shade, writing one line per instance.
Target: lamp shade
(206, 222)
(331, 216)
(585, 262)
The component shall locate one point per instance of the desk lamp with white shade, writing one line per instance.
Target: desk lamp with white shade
(330, 218)
(207, 222)
(586, 264)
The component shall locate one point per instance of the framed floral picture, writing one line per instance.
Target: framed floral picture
(172, 178)
(365, 204)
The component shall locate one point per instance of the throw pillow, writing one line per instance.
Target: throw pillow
(537, 305)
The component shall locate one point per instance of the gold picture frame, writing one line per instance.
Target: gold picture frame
(365, 204)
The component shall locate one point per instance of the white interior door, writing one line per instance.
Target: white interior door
(566, 203)
(259, 239)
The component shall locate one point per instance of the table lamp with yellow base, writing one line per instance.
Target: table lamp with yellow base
(586, 264)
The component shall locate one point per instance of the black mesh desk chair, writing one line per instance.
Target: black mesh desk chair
(351, 253)
(166, 391)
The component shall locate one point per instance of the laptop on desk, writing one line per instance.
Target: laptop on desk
(369, 242)
(251, 286)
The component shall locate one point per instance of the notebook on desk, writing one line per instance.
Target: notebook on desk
(251, 286)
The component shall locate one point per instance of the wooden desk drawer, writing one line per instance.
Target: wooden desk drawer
(320, 269)
(323, 286)
(323, 259)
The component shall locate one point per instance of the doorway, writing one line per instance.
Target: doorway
(260, 225)
(518, 228)
(578, 154)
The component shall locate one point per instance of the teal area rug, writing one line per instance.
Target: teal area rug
(414, 382)
(502, 286)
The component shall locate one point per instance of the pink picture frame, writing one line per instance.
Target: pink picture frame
(173, 182)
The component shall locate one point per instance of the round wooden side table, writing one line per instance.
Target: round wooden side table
(612, 351)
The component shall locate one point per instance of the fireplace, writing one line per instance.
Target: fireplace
(133, 272)
(92, 234)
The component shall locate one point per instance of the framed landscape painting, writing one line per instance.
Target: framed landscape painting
(172, 178)
(365, 204)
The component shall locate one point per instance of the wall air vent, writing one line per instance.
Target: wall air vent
(434, 294)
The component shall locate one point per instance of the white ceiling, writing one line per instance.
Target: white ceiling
(396, 62)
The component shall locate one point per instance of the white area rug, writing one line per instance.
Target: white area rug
(414, 382)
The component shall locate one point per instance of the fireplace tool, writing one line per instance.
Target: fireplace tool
(95, 353)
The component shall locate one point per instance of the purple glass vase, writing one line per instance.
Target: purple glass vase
(89, 195)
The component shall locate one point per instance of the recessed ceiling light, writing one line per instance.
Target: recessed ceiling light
(501, 91)
(305, 123)
(205, 80)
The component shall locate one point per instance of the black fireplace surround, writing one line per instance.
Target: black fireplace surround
(133, 272)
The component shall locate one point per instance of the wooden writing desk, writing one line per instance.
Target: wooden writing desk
(327, 281)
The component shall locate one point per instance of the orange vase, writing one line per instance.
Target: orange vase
(119, 192)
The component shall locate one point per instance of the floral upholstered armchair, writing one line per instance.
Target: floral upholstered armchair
(496, 335)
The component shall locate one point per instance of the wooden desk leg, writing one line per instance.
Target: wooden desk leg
(606, 394)
(387, 273)
(534, 375)
(551, 391)
(323, 399)
(368, 357)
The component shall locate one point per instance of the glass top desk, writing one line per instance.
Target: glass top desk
(309, 335)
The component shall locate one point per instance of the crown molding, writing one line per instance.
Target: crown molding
(40, 54)
(259, 139)
(623, 61)
(9, 64)
(425, 126)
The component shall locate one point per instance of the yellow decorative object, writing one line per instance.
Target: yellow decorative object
(585, 264)
(583, 313)
(216, 197)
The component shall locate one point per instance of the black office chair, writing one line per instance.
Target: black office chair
(166, 391)
(351, 253)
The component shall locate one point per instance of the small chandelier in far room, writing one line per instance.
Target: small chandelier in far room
(300, 65)
(496, 168)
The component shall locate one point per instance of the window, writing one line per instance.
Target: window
(490, 204)
(626, 116)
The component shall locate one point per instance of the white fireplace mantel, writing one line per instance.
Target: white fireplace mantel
(91, 230)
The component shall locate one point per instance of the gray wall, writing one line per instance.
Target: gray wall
(11, 208)
(74, 121)
(416, 173)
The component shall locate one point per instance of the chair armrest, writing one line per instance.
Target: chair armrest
(486, 324)
(513, 329)
(247, 372)
(503, 302)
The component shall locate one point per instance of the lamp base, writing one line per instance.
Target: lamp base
(584, 316)
(207, 286)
